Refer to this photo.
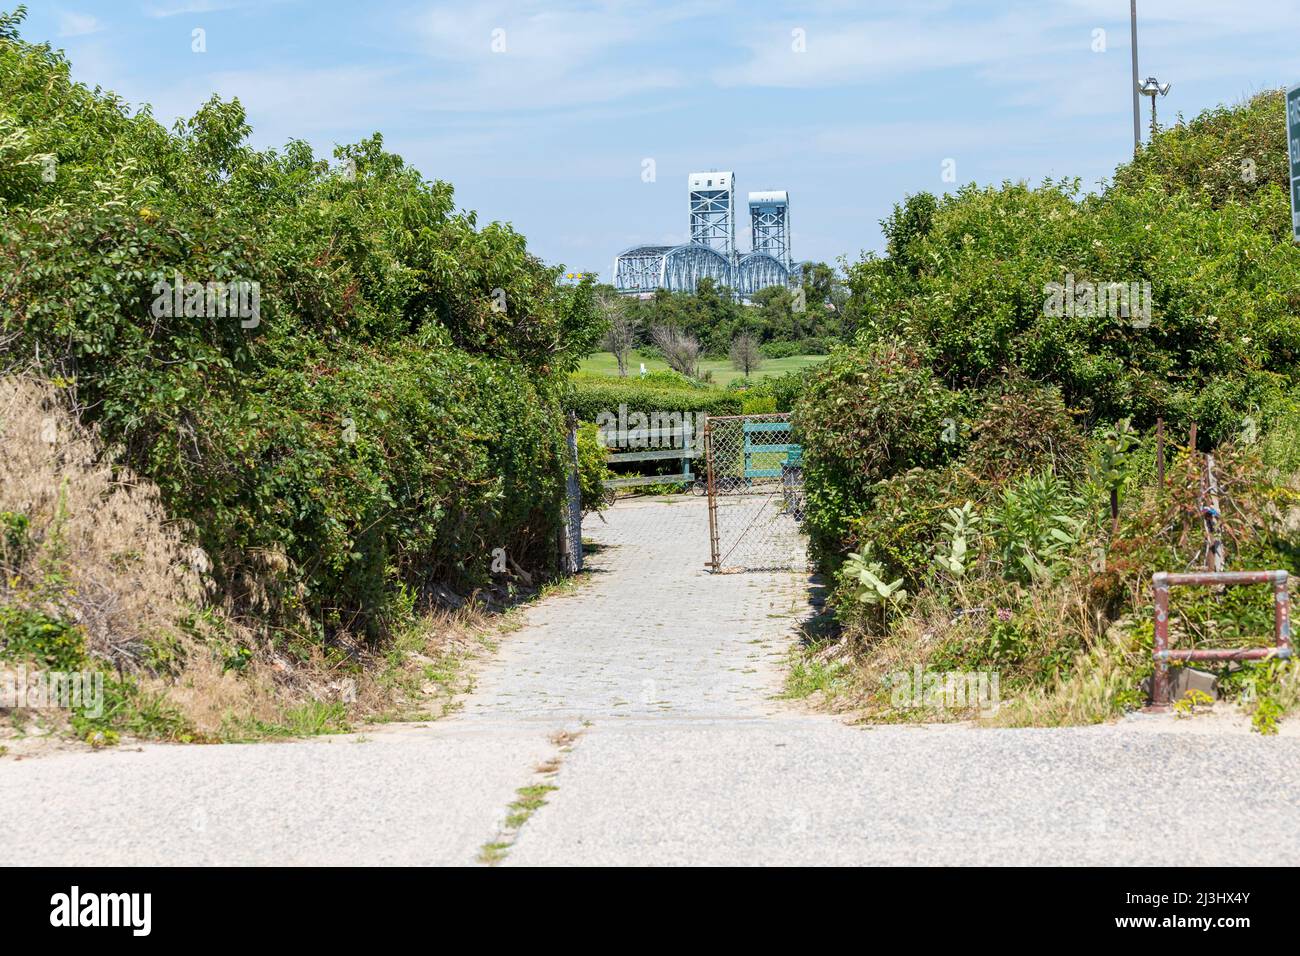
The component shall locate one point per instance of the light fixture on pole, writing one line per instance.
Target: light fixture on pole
(1152, 87)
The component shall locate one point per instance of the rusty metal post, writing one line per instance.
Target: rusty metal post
(1281, 614)
(1210, 513)
(1160, 644)
(714, 558)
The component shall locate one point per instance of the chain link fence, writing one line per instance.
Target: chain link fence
(756, 494)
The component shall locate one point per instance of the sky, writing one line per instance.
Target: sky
(578, 122)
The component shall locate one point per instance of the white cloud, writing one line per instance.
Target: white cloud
(554, 55)
(284, 102)
(78, 24)
(846, 48)
(842, 51)
(179, 7)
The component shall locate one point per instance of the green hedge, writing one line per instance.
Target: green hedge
(987, 314)
(589, 396)
(777, 393)
(986, 279)
(400, 465)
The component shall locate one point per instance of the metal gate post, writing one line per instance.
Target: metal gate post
(573, 501)
(1160, 643)
(1282, 614)
(713, 494)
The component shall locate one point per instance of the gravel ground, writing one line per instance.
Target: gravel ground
(403, 795)
(685, 757)
(808, 791)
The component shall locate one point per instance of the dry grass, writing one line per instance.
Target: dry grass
(130, 576)
(565, 738)
(105, 555)
(1099, 684)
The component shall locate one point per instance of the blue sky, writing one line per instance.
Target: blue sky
(551, 132)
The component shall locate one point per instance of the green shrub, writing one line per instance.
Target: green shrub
(784, 390)
(815, 346)
(905, 515)
(15, 539)
(29, 634)
(866, 415)
(1036, 528)
(1226, 154)
(592, 469)
(780, 349)
(1023, 427)
(974, 281)
(1277, 429)
(405, 461)
(669, 378)
(1001, 531)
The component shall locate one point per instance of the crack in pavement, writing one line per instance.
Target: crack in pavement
(530, 798)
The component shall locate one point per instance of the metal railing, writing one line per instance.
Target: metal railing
(1163, 654)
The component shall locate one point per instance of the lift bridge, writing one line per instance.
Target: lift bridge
(711, 251)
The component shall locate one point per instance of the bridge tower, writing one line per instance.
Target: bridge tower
(769, 222)
(713, 211)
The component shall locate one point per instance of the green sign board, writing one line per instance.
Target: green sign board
(1293, 152)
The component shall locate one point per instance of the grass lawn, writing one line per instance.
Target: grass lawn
(602, 363)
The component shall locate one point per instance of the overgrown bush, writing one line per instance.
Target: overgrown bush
(903, 518)
(780, 349)
(992, 451)
(971, 275)
(1226, 154)
(391, 414)
(783, 390)
(865, 415)
(1023, 427)
(668, 378)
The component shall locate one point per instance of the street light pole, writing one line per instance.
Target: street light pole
(1137, 122)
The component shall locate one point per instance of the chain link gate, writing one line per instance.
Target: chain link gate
(756, 494)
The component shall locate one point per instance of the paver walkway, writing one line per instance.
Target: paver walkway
(653, 632)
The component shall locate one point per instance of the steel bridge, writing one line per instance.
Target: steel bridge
(711, 252)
